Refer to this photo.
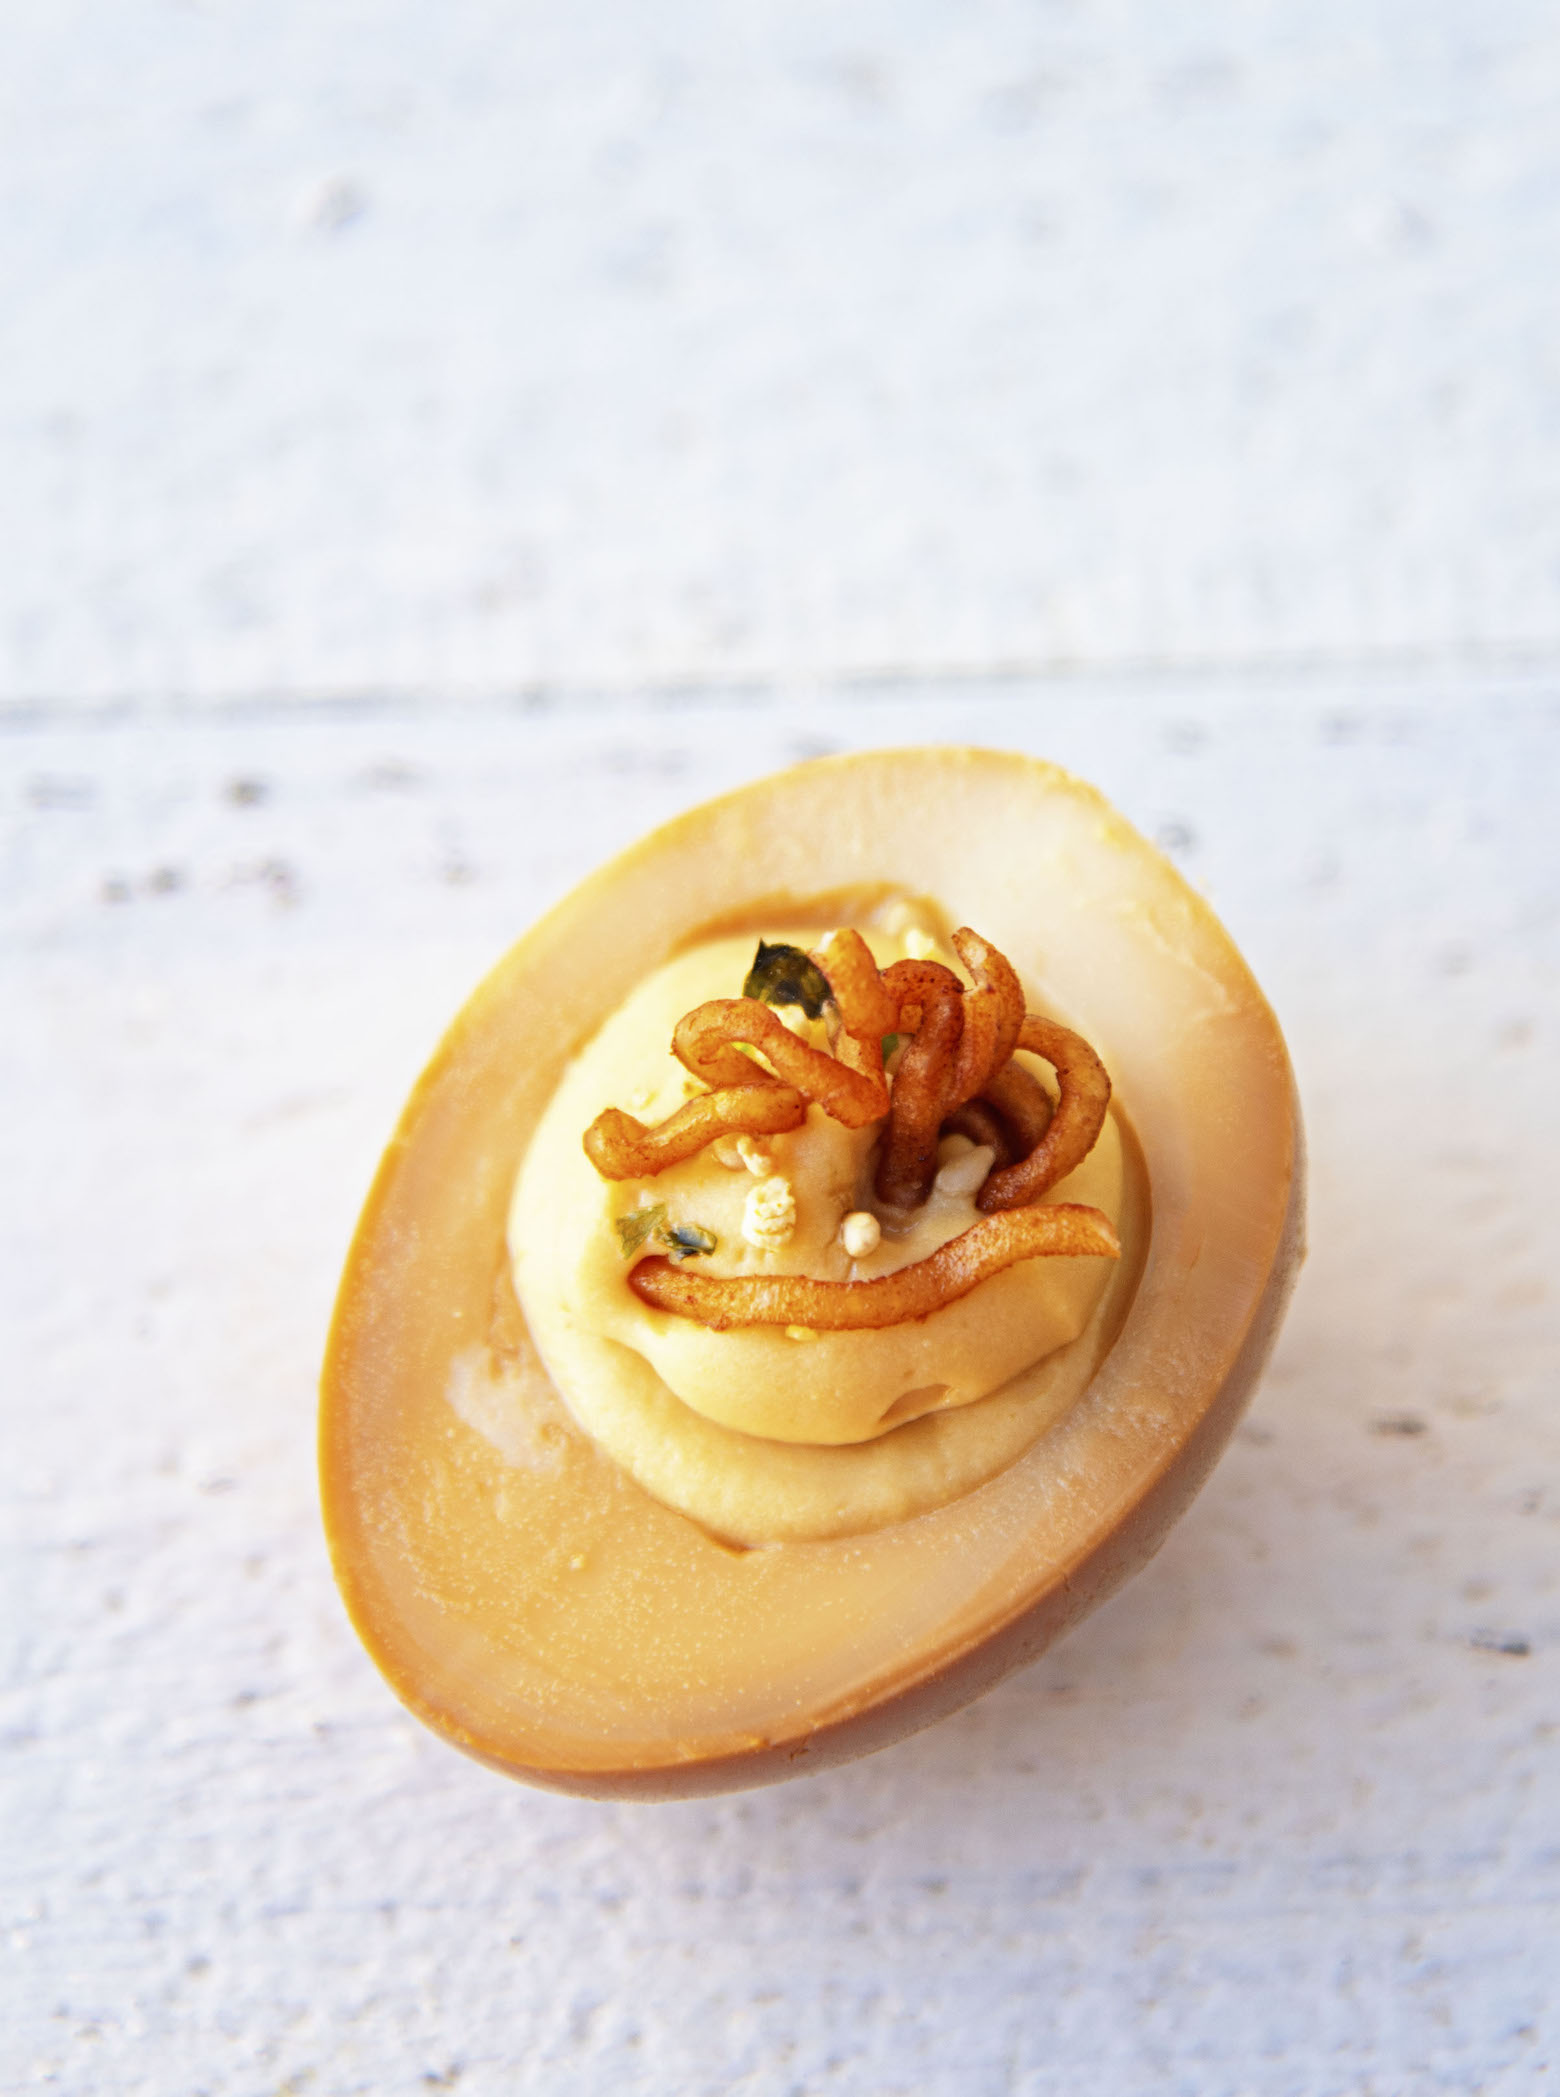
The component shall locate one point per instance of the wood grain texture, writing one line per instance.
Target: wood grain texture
(481, 347)
(1281, 1818)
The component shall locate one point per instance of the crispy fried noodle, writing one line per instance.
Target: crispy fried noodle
(956, 1074)
(942, 1277)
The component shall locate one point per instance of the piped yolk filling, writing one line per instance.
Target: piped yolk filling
(776, 1205)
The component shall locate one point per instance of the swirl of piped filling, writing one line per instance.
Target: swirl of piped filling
(957, 1055)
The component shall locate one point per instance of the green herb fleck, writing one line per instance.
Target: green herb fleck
(783, 975)
(890, 1043)
(685, 1241)
(638, 1225)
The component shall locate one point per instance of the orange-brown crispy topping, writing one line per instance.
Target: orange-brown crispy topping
(956, 1074)
(1060, 1228)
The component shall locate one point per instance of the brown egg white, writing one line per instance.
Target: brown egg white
(537, 1607)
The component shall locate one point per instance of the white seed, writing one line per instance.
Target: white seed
(962, 1175)
(769, 1214)
(860, 1233)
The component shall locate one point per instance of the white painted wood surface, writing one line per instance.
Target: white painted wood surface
(496, 343)
(1282, 1818)
(437, 442)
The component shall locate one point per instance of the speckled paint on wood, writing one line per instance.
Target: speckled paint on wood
(481, 346)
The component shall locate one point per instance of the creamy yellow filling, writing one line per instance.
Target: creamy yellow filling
(634, 1375)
